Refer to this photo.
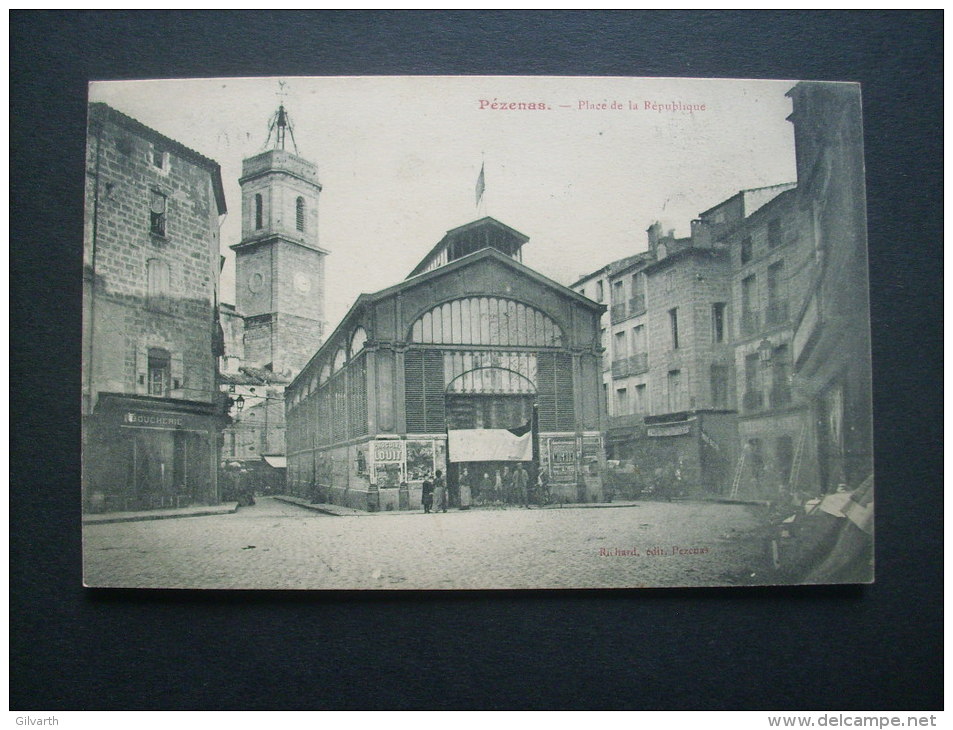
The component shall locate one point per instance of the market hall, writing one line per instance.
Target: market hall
(471, 339)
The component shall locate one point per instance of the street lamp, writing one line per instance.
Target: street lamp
(240, 403)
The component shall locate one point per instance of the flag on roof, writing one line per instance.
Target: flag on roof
(480, 185)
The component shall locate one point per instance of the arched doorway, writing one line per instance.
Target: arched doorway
(494, 398)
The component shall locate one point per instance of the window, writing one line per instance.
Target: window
(674, 390)
(638, 339)
(774, 233)
(746, 250)
(673, 323)
(777, 295)
(719, 386)
(784, 457)
(299, 214)
(749, 315)
(781, 377)
(622, 402)
(157, 208)
(160, 371)
(620, 348)
(159, 158)
(259, 212)
(158, 275)
(718, 322)
(600, 292)
(753, 397)
(640, 399)
(618, 295)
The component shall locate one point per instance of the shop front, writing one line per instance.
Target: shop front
(149, 454)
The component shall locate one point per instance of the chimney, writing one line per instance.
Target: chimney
(701, 234)
(654, 230)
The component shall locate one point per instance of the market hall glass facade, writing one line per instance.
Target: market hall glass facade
(474, 343)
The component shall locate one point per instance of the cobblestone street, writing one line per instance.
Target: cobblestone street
(279, 545)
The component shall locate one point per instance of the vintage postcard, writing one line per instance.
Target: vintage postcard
(475, 333)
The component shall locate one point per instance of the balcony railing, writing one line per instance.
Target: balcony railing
(632, 365)
(777, 313)
(638, 363)
(750, 322)
(753, 400)
(620, 368)
(636, 305)
(618, 313)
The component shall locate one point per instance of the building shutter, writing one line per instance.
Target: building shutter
(357, 397)
(323, 416)
(177, 372)
(434, 392)
(414, 391)
(424, 391)
(565, 409)
(142, 369)
(555, 399)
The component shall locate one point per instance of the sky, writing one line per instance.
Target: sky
(398, 158)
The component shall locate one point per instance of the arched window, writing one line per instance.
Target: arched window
(357, 340)
(486, 321)
(258, 212)
(299, 213)
(339, 359)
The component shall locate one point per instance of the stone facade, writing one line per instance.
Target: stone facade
(152, 413)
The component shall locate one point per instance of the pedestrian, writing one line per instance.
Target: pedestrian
(507, 491)
(427, 496)
(486, 489)
(542, 487)
(465, 492)
(498, 488)
(521, 485)
(439, 492)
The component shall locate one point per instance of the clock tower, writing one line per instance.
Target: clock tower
(279, 265)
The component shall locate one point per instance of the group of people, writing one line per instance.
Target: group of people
(506, 487)
(434, 496)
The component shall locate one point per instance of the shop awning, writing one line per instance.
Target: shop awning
(276, 462)
(489, 444)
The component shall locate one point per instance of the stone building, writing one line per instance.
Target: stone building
(768, 284)
(830, 345)
(472, 339)
(670, 390)
(277, 321)
(152, 413)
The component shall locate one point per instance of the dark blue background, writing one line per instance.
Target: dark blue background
(878, 647)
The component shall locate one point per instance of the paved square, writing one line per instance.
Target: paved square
(276, 545)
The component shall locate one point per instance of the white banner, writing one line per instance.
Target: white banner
(489, 444)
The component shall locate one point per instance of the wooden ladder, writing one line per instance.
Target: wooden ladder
(736, 482)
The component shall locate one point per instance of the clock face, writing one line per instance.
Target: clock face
(255, 282)
(302, 282)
